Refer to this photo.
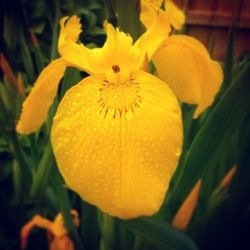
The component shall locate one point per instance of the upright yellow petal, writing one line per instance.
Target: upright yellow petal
(155, 35)
(156, 4)
(118, 145)
(37, 104)
(77, 55)
(70, 28)
(148, 13)
(117, 50)
(184, 64)
(150, 10)
(185, 212)
(175, 15)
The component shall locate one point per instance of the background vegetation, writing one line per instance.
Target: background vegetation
(29, 180)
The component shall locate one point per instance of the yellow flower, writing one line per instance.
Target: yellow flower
(117, 134)
(185, 65)
(151, 8)
(56, 228)
(182, 61)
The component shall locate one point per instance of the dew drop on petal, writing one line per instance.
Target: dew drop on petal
(129, 115)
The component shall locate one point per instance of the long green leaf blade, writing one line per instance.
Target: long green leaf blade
(162, 234)
(223, 120)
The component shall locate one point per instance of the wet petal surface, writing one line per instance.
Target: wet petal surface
(118, 146)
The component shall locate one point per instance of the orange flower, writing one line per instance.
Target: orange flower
(56, 230)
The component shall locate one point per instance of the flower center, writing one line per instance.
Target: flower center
(119, 94)
(116, 68)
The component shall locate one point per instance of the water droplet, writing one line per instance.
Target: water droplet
(178, 152)
(129, 115)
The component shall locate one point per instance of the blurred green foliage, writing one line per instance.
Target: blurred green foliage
(29, 180)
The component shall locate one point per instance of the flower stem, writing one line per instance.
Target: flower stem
(55, 30)
(43, 172)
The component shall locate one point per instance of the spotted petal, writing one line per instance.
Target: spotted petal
(118, 147)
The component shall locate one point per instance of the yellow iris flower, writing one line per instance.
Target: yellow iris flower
(57, 233)
(151, 8)
(182, 61)
(117, 134)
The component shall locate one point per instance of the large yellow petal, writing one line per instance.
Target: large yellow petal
(118, 146)
(184, 64)
(176, 64)
(212, 76)
(37, 104)
(176, 16)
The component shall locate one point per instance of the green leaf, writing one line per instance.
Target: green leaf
(108, 233)
(71, 77)
(37, 8)
(26, 57)
(21, 158)
(128, 17)
(42, 175)
(8, 100)
(212, 138)
(3, 146)
(5, 167)
(55, 30)
(89, 226)
(159, 233)
(39, 59)
(17, 181)
(96, 31)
